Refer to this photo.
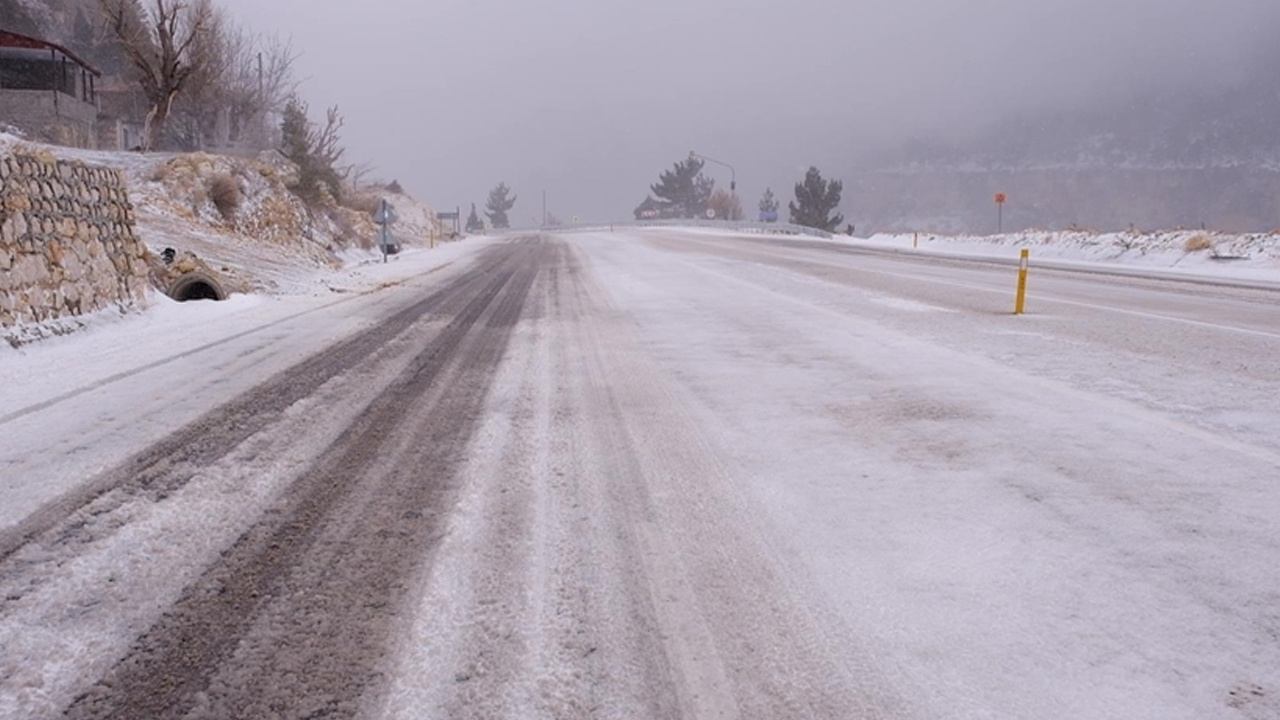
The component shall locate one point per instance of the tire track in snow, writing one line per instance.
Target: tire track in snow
(599, 565)
(537, 607)
(292, 622)
(194, 352)
(168, 464)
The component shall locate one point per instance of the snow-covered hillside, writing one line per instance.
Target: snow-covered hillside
(270, 241)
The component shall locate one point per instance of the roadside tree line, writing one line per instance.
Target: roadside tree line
(496, 208)
(197, 68)
(684, 192)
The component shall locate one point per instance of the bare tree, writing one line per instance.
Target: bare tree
(167, 45)
(256, 83)
(242, 94)
(357, 175)
(208, 94)
(326, 142)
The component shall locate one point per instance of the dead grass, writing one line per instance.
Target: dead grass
(224, 190)
(363, 202)
(1198, 243)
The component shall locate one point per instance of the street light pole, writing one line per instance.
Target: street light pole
(733, 174)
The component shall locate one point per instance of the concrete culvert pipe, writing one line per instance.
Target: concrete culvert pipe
(196, 286)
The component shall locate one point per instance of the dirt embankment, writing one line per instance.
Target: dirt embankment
(240, 215)
(240, 219)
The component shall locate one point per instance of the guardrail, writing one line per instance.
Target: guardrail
(735, 226)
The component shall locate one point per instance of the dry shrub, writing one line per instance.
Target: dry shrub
(226, 195)
(361, 202)
(160, 173)
(1198, 243)
(348, 226)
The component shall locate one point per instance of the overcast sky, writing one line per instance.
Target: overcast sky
(591, 99)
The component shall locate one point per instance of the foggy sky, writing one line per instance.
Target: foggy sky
(591, 99)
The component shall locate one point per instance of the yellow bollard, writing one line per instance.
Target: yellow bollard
(1021, 305)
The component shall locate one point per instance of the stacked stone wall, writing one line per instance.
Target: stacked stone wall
(68, 245)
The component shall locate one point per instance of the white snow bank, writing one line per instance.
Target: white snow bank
(1247, 256)
(108, 343)
(1253, 255)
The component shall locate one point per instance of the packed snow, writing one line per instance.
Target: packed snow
(1070, 514)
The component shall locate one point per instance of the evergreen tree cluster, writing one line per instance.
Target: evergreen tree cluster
(815, 200)
(768, 206)
(684, 192)
(473, 221)
(498, 205)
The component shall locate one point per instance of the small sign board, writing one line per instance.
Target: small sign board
(711, 213)
(387, 241)
(1001, 198)
(447, 215)
(769, 216)
(385, 214)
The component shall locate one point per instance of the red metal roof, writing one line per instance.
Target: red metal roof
(14, 40)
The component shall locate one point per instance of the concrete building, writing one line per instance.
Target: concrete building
(48, 92)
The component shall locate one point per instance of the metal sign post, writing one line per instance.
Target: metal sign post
(1000, 201)
(455, 216)
(385, 216)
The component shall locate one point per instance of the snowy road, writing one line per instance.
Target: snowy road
(676, 475)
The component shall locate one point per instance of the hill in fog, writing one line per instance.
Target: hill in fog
(1156, 159)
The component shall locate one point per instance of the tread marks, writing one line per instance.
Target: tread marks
(293, 619)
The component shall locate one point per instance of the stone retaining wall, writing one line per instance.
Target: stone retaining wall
(67, 241)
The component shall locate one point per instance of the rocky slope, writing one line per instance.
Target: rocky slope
(238, 217)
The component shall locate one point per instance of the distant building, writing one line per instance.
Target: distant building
(652, 209)
(47, 91)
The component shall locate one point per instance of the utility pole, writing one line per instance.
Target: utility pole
(544, 208)
(733, 174)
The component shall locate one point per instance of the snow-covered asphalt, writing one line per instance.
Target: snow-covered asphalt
(655, 474)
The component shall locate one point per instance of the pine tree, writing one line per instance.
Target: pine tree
(295, 131)
(499, 205)
(473, 221)
(815, 199)
(684, 191)
(314, 151)
(768, 206)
